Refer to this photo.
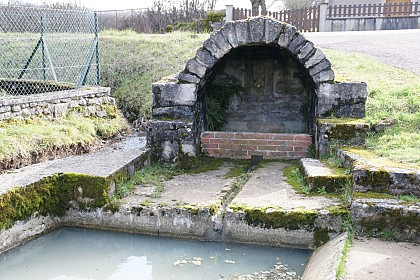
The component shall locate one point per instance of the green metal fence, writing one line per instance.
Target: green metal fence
(55, 46)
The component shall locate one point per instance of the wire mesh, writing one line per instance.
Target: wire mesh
(40, 49)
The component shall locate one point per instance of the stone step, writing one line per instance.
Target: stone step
(347, 131)
(318, 175)
(391, 219)
(269, 210)
(376, 174)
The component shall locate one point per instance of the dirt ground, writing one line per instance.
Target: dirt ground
(375, 259)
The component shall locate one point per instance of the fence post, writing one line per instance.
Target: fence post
(323, 17)
(229, 13)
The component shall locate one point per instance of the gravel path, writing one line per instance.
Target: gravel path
(400, 48)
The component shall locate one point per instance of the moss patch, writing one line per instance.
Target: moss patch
(52, 196)
(391, 220)
(321, 237)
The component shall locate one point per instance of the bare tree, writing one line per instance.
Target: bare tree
(256, 7)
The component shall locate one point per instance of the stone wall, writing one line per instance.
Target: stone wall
(240, 145)
(93, 101)
(276, 96)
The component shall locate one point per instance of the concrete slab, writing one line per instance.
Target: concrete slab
(201, 190)
(268, 187)
(317, 175)
(376, 259)
(104, 163)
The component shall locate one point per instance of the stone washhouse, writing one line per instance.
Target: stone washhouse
(277, 85)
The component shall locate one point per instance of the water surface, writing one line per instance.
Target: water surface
(79, 254)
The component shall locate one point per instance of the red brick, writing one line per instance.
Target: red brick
(276, 154)
(244, 135)
(298, 143)
(300, 149)
(224, 135)
(297, 154)
(257, 142)
(303, 137)
(228, 146)
(256, 153)
(219, 141)
(266, 148)
(240, 141)
(248, 147)
(261, 136)
(284, 148)
(205, 141)
(239, 152)
(210, 151)
(207, 134)
(209, 146)
(282, 136)
(277, 142)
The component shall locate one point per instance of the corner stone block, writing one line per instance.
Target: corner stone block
(272, 30)
(297, 42)
(229, 32)
(306, 51)
(222, 43)
(326, 75)
(342, 100)
(287, 35)
(321, 66)
(257, 29)
(242, 32)
(172, 93)
(187, 78)
(194, 67)
(174, 112)
(205, 57)
(317, 57)
(164, 138)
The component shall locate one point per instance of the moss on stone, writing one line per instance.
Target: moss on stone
(396, 220)
(52, 195)
(377, 195)
(274, 217)
(351, 121)
(320, 237)
(379, 180)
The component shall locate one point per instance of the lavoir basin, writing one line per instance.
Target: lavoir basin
(76, 254)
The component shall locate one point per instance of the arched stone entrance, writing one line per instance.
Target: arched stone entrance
(285, 84)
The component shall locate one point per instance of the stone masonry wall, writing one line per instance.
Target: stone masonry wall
(180, 102)
(241, 145)
(87, 101)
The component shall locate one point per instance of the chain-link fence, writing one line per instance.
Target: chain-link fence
(47, 49)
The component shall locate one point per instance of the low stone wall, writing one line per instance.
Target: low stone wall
(93, 101)
(241, 145)
(370, 24)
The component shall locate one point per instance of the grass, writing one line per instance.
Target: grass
(19, 139)
(392, 93)
(131, 62)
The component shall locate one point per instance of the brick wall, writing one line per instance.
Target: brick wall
(241, 145)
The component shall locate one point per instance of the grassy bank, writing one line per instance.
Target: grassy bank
(393, 93)
(131, 62)
(25, 139)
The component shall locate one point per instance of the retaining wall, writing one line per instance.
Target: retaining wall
(241, 145)
(87, 101)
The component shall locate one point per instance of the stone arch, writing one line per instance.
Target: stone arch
(176, 128)
(257, 31)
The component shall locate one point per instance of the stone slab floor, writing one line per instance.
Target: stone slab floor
(377, 260)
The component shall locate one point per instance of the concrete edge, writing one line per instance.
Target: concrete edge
(324, 262)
